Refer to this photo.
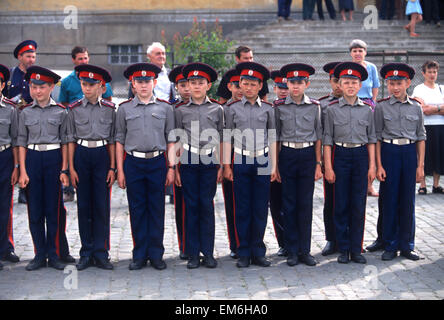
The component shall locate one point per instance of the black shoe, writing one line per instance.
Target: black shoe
(193, 262)
(243, 262)
(344, 257)
(68, 259)
(260, 261)
(56, 264)
(103, 264)
(158, 264)
(375, 246)
(183, 256)
(330, 248)
(84, 262)
(209, 262)
(282, 252)
(292, 260)
(438, 189)
(358, 258)
(11, 257)
(389, 255)
(233, 255)
(22, 196)
(307, 259)
(137, 264)
(35, 264)
(410, 255)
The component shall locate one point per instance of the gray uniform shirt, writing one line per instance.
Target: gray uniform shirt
(397, 120)
(298, 122)
(47, 125)
(91, 122)
(325, 101)
(8, 123)
(253, 121)
(144, 127)
(208, 115)
(345, 123)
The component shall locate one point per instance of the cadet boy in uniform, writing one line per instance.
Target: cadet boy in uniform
(335, 94)
(400, 130)
(8, 169)
(183, 89)
(197, 176)
(281, 90)
(143, 125)
(349, 157)
(92, 164)
(254, 164)
(43, 156)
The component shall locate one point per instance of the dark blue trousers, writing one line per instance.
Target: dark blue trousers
(6, 235)
(227, 189)
(199, 182)
(251, 196)
(145, 182)
(45, 201)
(297, 170)
(398, 202)
(329, 223)
(179, 215)
(93, 200)
(276, 212)
(350, 196)
(284, 7)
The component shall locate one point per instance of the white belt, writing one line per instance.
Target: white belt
(3, 148)
(146, 155)
(349, 145)
(297, 145)
(202, 152)
(252, 154)
(92, 143)
(44, 147)
(399, 141)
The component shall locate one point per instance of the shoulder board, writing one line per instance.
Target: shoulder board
(75, 104)
(161, 100)
(61, 105)
(180, 104)
(368, 104)
(215, 101)
(8, 101)
(324, 97)
(333, 102)
(278, 102)
(108, 103)
(26, 105)
(126, 101)
(232, 102)
(314, 101)
(383, 99)
(415, 99)
(266, 102)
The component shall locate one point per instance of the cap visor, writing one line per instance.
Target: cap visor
(90, 80)
(143, 78)
(38, 82)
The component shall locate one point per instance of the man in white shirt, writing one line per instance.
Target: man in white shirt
(164, 89)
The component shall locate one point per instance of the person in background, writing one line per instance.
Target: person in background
(431, 11)
(330, 9)
(414, 10)
(284, 7)
(346, 6)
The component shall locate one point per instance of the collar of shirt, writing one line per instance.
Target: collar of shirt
(2, 104)
(393, 100)
(305, 100)
(85, 102)
(343, 102)
(258, 101)
(137, 101)
(51, 103)
(207, 100)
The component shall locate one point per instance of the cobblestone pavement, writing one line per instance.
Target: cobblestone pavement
(397, 279)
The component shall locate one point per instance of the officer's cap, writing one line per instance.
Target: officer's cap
(350, 70)
(278, 79)
(176, 75)
(330, 67)
(39, 75)
(92, 74)
(196, 70)
(397, 71)
(297, 71)
(4, 73)
(25, 46)
(142, 71)
(253, 71)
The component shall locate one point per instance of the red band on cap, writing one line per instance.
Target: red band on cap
(397, 73)
(38, 76)
(91, 75)
(28, 47)
(350, 72)
(331, 71)
(198, 73)
(301, 73)
(144, 73)
(280, 80)
(2, 76)
(234, 79)
(179, 77)
(252, 73)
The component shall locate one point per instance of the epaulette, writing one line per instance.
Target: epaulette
(108, 103)
(266, 102)
(365, 102)
(232, 102)
(415, 99)
(315, 101)
(126, 101)
(215, 101)
(26, 105)
(279, 102)
(161, 100)
(61, 105)
(8, 101)
(383, 99)
(333, 102)
(180, 104)
(324, 97)
(75, 104)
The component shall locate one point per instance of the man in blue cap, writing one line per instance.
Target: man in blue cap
(43, 155)
(92, 165)
(400, 149)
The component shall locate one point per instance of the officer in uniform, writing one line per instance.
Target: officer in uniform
(199, 169)
(254, 164)
(349, 150)
(143, 125)
(183, 89)
(335, 94)
(43, 159)
(8, 169)
(91, 126)
(299, 132)
(399, 123)
(281, 90)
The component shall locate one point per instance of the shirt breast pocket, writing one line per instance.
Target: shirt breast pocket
(411, 121)
(261, 122)
(240, 121)
(158, 120)
(105, 127)
(307, 123)
(361, 129)
(33, 126)
(54, 126)
(287, 124)
(133, 122)
(341, 129)
(82, 127)
(4, 126)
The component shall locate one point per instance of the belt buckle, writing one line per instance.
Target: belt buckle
(92, 144)
(42, 147)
